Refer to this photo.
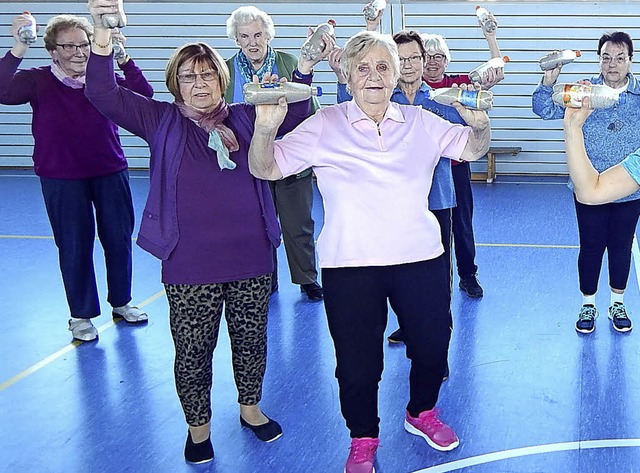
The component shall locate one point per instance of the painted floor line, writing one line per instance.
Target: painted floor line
(39, 237)
(63, 351)
(534, 450)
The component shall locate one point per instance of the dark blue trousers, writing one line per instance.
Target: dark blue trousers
(70, 205)
(462, 217)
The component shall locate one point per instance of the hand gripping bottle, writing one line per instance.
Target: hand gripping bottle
(270, 93)
(486, 21)
(115, 20)
(118, 49)
(473, 99)
(496, 62)
(314, 46)
(558, 58)
(571, 95)
(372, 9)
(27, 33)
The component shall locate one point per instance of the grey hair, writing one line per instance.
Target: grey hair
(436, 43)
(244, 16)
(361, 43)
(62, 23)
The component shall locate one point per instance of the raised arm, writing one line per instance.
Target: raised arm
(262, 163)
(493, 75)
(591, 187)
(15, 90)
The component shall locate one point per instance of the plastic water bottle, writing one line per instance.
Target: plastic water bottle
(27, 33)
(571, 95)
(495, 62)
(314, 46)
(115, 20)
(486, 20)
(372, 9)
(558, 58)
(474, 99)
(118, 49)
(270, 93)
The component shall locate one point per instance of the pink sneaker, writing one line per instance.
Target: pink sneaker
(363, 451)
(437, 434)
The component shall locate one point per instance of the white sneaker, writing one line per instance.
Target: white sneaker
(130, 313)
(83, 330)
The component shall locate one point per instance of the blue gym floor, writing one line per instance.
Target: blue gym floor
(526, 392)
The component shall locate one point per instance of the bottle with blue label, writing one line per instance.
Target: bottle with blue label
(270, 93)
(473, 99)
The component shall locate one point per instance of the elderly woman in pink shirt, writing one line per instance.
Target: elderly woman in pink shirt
(374, 162)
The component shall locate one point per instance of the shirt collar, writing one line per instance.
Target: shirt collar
(355, 113)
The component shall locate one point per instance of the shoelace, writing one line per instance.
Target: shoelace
(618, 312)
(588, 313)
(431, 418)
(363, 450)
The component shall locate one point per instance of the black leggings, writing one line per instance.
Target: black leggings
(611, 227)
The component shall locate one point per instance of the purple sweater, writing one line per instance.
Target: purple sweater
(207, 225)
(72, 139)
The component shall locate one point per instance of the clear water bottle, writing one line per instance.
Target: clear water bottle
(314, 46)
(495, 62)
(486, 20)
(119, 52)
(558, 58)
(372, 9)
(473, 99)
(27, 33)
(270, 93)
(600, 95)
(115, 20)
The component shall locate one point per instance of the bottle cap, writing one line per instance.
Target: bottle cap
(506, 59)
(26, 13)
(578, 53)
(332, 22)
(319, 94)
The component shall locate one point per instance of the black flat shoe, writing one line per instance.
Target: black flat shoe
(266, 432)
(198, 452)
(313, 291)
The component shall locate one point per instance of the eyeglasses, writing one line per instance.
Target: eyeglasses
(606, 59)
(435, 57)
(72, 48)
(413, 59)
(190, 78)
(363, 70)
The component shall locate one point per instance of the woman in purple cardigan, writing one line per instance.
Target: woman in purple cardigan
(81, 165)
(207, 218)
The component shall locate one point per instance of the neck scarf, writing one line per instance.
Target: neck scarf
(65, 79)
(221, 137)
(246, 68)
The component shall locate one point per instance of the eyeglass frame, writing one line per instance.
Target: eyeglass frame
(194, 75)
(438, 57)
(411, 60)
(67, 47)
(618, 59)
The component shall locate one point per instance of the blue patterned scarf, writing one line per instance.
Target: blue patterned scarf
(246, 68)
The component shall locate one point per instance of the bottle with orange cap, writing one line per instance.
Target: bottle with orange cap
(495, 62)
(558, 58)
(314, 45)
(27, 33)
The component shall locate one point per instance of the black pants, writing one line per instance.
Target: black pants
(610, 227)
(462, 218)
(444, 219)
(356, 305)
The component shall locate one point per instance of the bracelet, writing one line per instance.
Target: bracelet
(103, 46)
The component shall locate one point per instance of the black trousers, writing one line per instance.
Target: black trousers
(462, 217)
(605, 227)
(444, 219)
(356, 304)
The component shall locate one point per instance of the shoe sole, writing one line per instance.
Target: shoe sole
(94, 339)
(585, 331)
(621, 330)
(412, 430)
(121, 317)
(199, 462)
(394, 341)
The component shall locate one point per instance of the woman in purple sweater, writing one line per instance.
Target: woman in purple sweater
(81, 165)
(207, 218)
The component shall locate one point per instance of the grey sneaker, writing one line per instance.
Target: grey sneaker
(587, 319)
(83, 330)
(619, 318)
(130, 313)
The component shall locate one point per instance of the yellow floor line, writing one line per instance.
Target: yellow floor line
(68, 348)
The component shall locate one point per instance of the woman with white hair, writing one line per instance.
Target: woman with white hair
(374, 161)
(252, 30)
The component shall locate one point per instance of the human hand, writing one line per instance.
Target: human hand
(372, 25)
(489, 34)
(270, 116)
(305, 64)
(97, 8)
(551, 76)
(574, 118)
(18, 22)
(492, 76)
(334, 63)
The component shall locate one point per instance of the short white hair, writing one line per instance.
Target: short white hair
(437, 44)
(244, 16)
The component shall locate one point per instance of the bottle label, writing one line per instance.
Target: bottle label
(574, 93)
(270, 86)
(469, 98)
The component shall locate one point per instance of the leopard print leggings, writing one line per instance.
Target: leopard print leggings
(195, 312)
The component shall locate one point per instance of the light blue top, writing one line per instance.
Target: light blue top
(632, 164)
(610, 134)
(442, 194)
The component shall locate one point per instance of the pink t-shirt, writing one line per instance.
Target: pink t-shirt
(374, 180)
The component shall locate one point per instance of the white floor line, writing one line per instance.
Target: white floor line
(534, 450)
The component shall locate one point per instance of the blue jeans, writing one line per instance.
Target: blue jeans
(70, 205)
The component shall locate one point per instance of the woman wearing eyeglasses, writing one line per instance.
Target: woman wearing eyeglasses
(81, 165)
(207, 218)
(610, 135)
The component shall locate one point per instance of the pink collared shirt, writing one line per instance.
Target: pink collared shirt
(374, 180)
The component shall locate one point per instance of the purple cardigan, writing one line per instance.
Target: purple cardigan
(165, 129)
(72, 140)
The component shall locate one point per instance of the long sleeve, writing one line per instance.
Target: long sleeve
(543, 105)
(343, 95)
(16, 87)
(135, 80)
